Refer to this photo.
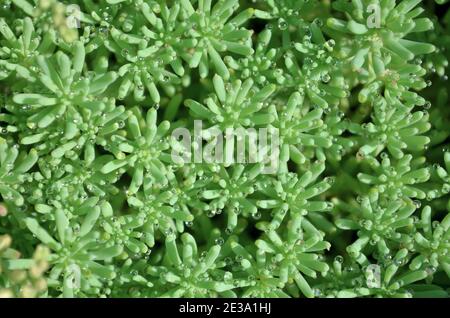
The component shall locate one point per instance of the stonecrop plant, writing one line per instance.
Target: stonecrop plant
(224, 148)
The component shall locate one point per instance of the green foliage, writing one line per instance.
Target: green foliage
(94, 204)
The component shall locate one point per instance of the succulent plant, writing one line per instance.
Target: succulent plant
(110, 188)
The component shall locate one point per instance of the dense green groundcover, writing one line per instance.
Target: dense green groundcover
(94, 205)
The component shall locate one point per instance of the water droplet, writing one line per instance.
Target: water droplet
(339, 259)
(430, 270)
(256, 215)
(317, 292)
(330, 43)
(203, 254)
(308, 33)
(318, 22)
(398, 262)
(325, 78)
(308, 61)
(219, 241)
(282, 24)
(329, 180)
(125, 53)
